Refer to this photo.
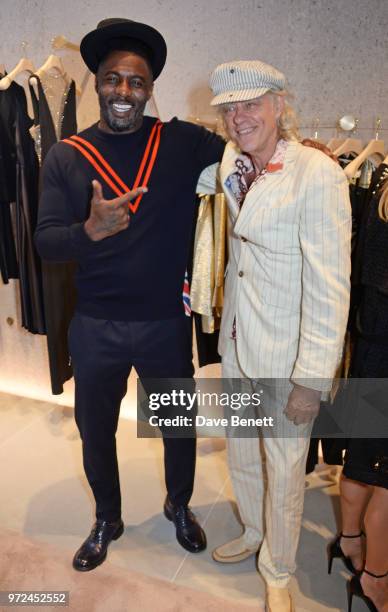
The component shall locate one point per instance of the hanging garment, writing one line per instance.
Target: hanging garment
(374, 239)
(369, 239)
(367, 459)
(46, 132)
(8, 263)
(207, 282)
(361, 192)
(20, 184)
(58, 278)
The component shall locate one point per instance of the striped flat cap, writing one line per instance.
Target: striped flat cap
(244, 80)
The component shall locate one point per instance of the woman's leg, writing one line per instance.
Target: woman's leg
(376, 526)
(354, 497)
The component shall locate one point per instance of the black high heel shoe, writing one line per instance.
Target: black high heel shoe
(354, 587)
(334, 551)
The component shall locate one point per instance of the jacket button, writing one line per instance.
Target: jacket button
(241, 273)
(243, 239)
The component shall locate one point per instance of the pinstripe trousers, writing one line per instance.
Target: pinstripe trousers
(268, 477)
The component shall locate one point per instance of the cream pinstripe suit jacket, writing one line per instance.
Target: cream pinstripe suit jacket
(288, 277)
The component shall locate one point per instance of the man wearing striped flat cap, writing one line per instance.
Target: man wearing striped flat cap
(286, 306)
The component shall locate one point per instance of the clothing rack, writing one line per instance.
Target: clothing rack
(335, 127)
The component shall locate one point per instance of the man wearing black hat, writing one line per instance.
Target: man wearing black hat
(119, 199)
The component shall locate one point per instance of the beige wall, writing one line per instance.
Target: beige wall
(334, 53)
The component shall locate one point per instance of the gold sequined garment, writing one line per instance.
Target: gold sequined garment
(207, 284)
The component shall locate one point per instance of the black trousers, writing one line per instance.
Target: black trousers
(103, 353)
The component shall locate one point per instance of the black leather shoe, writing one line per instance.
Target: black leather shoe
(189, 533)
(93, 551)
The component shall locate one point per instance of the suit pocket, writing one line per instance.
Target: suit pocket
(279, 297)
(282, 280)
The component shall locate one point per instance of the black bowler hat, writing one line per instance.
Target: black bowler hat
(119, 33)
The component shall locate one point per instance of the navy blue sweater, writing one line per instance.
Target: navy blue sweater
(138, 273)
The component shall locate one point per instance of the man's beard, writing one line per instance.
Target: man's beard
(121, 124)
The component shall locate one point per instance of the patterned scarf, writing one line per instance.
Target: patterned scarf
(244, 178)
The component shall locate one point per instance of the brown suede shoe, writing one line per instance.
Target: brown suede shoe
(233, 552)
(278, 599)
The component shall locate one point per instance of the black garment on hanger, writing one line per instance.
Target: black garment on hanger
(368, 306)
(207, 344)
(366, 460)
(332, 448)
(8, 262)
(375, 239)
(58, 278)
(20, 184)
(7, 143)
(361, 199)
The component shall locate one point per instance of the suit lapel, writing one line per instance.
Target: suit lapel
(260, 193)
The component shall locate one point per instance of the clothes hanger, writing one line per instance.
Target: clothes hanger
(344, 123)
(374, 147)
(52, 64)
(350, 145)
(335, 143)
(348, 123)
(24, 65)
(61, 42)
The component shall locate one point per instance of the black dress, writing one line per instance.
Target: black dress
(8, 263)
(19, 183)
(58, 278)
(366, 460)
